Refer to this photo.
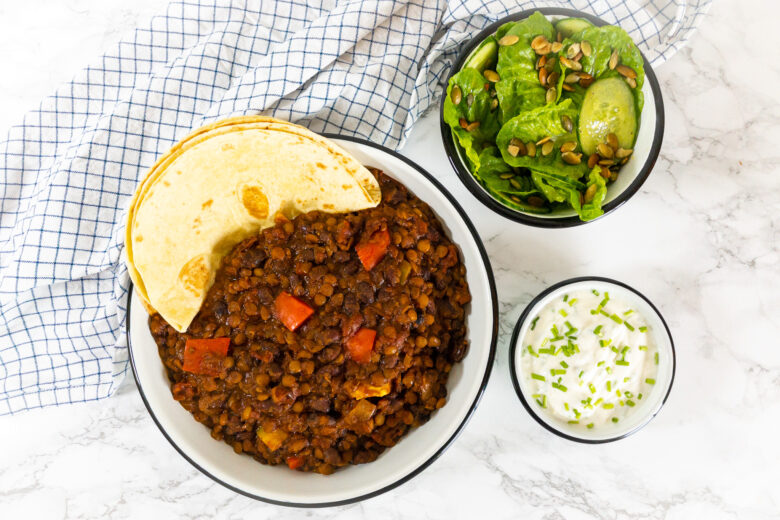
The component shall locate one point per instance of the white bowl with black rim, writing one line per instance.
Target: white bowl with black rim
(632, 175)
(644, 412)
(416, 451)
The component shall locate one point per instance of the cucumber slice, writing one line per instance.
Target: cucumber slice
(484, 55)
(569, 26)
(608, 107)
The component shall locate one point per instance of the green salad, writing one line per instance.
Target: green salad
(546, 114)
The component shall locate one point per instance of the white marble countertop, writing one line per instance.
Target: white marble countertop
(700, 239)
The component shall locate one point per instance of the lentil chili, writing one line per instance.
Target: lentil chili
(369, 363)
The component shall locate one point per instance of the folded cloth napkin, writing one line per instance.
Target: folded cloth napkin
(368, 68)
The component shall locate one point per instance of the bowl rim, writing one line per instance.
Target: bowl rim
(465, 176)
(446, 444)
(513, 368)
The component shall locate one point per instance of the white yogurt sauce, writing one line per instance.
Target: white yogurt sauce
(588, 358)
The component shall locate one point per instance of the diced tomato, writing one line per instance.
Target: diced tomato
(294, 462)
(360, 345)
(204, 356)
(373, 250)
(291, 311)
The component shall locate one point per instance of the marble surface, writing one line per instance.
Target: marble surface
(700, 239)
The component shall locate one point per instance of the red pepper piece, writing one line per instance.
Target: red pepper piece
(373, 250)
(361, 345)
(204, 356)
(291, 311)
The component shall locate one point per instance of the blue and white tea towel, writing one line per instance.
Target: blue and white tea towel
(368, 68)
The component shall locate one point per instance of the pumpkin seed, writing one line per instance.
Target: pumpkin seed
(545, 49)
(593, 160)
(469, 100)
(613, 60)
(472, 126)
(551, 94)
(543, 140)
(535, 201)
(605, 172)
(548, 148)
(531, 149)
(552, 78)
(520, 145)
(456, 95)
(516, 199)
(590, 193)
(491, 75)
(559, 37)
(556, 47)
(541, 62)
(509, 39)
(515, 184)
(513, 151)
(493, 104)
(624, 161)
(606, 162)
(578, 57)
(543, 77)
(626, 71)
(586, 81)
(538, 42)
(569, 64)
(586, 48)
(605, 150)
(567, 88)
(631, 82)
(463, 123)
(622, 153)
(573, 50)
(612, 141)
(582, 199)
(613, 176)
(572, 158)
(573, 77)
(567, 123)
(506, 176)
(493, 93)
(550, 65)
(568, 146)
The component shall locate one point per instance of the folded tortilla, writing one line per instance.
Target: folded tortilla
(221, 184)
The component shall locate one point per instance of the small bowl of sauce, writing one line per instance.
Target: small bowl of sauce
(592, 359)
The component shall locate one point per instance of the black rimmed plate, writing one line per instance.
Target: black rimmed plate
(415, 451)
(661, 335)
(632, 175)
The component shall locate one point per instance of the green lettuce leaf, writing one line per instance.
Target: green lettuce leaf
(534, 125)
(492, 166)
(471, 82)
(592, 209)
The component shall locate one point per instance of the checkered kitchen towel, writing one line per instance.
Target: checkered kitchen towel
(368, 68)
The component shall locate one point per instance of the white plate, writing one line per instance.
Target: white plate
(419, 448)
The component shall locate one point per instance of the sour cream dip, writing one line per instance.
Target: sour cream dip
(588, 359)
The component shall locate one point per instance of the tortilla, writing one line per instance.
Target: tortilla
(221, 184)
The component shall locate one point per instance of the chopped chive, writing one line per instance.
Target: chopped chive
(643, 329)
(572, 302)
(622, 362)
(538, 377)
(595, 292)
(616, 318)
(563, 313)
(564, 364)
(548, 350)
(650, 381)
(597, 330)
(560, 349)
(565, 297)
(598, 401)
(656, 358)
(609, 370)
(628, 326)
(615, 350)
(626, 379)
(622, 403)
(605, 313)
(609, 386)
(614, 419)
(639, 396)
(577, 414)
(574, 422)
(590, 426)
(625, 349)
(560, 387)
(581, 372)
(603, 303)
(566, 405)
(557, 371)
(627, 393)
(630, 402)
(608, 406)
(618, 393)
(594, 311)
(642, 347)
(592, 388)
(605, 342)
(600, 363)
(629, 312)
(533, 322)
